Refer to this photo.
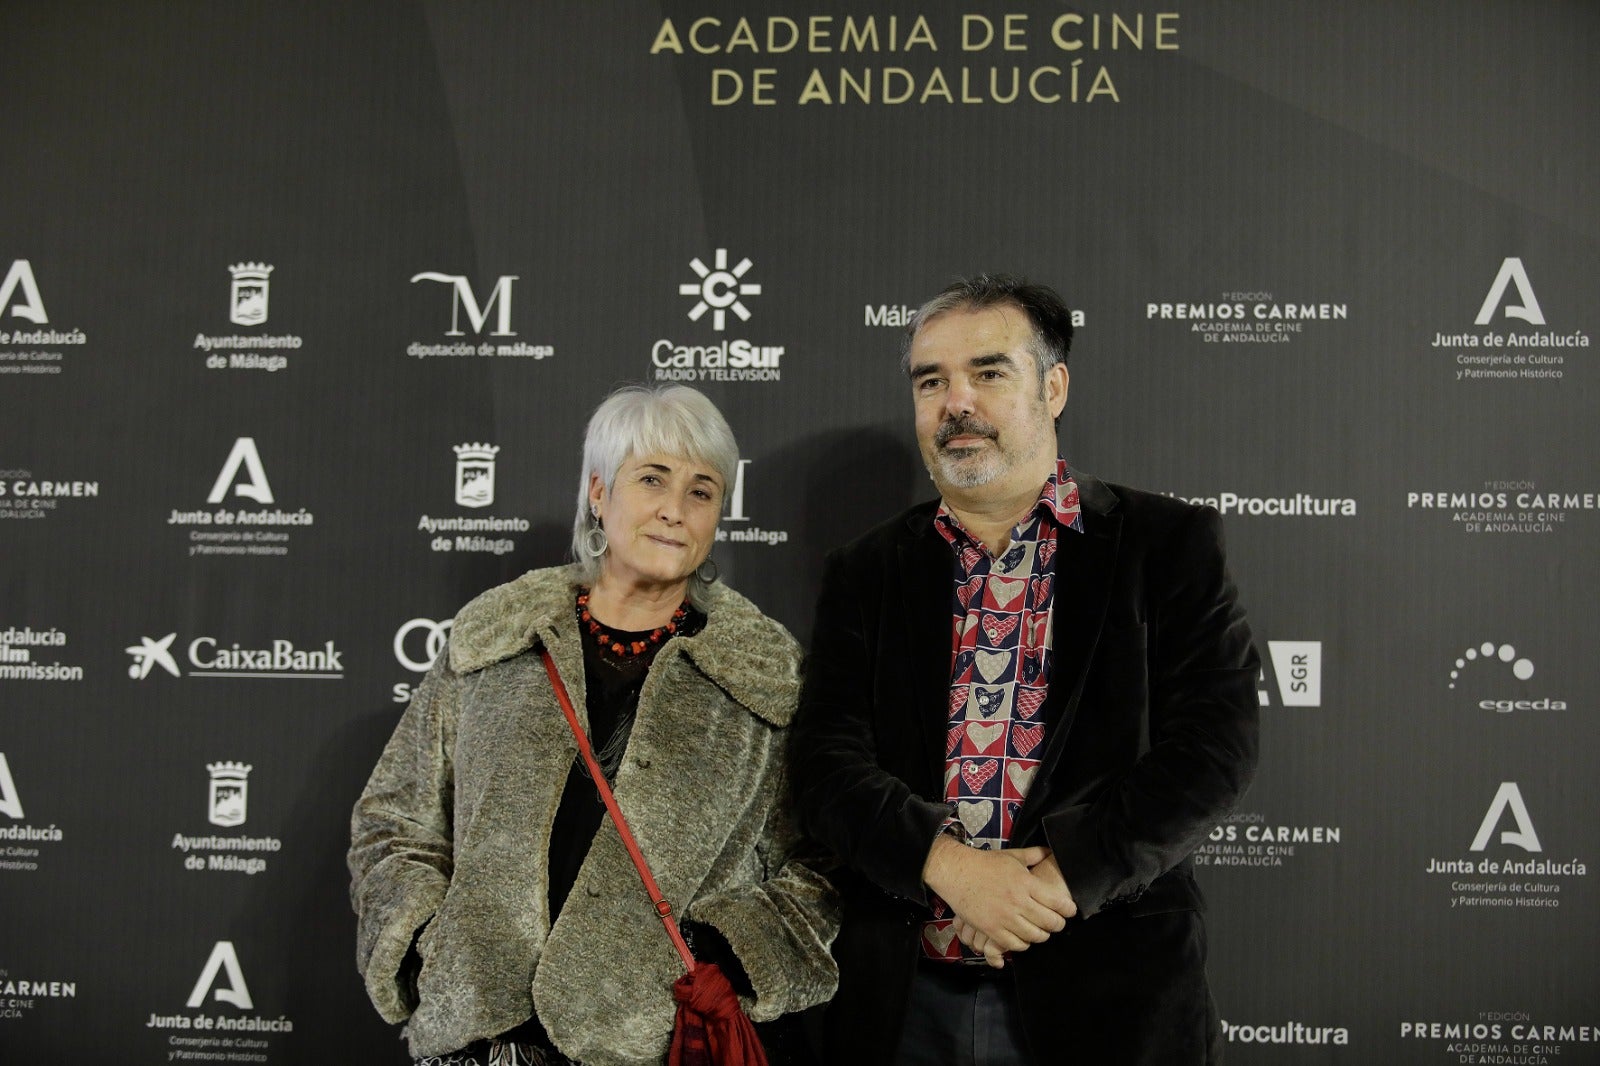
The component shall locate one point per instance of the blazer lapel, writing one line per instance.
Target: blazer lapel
(1084, 565)
(927, 570)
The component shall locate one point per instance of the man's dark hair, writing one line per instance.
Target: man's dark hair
(1046, 310)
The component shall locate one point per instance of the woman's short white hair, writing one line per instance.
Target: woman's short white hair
(638, 420)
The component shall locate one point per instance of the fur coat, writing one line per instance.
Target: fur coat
(453, 827)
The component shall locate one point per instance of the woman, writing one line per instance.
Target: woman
(498, 910)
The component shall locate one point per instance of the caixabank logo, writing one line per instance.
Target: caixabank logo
(717, 303)
(29, 342)
(23, 842)
(248, 305)
(473, 334)
(208, 656)
(1511, 339)
(1495, 676)
(1508, 864)
(228, 527)
(221, 1018)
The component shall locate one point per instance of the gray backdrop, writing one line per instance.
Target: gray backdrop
(1336, 268)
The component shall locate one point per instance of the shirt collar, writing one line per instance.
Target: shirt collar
(1058, 501)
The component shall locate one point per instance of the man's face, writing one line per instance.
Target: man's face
(982, 425)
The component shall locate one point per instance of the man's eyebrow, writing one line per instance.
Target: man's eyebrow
(994, 359)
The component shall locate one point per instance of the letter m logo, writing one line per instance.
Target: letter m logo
(466, 300)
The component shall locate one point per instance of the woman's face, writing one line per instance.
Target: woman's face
(660, 518)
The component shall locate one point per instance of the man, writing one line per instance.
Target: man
(1027, 702)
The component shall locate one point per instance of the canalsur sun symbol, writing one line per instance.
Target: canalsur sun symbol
(718, 290)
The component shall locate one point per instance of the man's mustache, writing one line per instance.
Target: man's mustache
(965, 426)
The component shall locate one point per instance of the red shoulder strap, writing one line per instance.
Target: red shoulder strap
(663, 908)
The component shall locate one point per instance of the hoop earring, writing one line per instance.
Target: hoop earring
(595, 541)
(707, 571)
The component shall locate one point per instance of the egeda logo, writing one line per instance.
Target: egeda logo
(1497, 674)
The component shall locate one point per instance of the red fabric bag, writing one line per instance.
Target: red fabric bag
(711, 1027)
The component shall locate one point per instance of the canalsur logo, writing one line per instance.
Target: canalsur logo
(417, 644)
(717, 291)
(734, 530)
(465, 305)
(228, 798)
(248, 296)
(24, 653)
(474, 488)
(209, 657)
(1246, 318)
(24, 350)
(1297, 670)
(20, 845)
(232, 529)
(1497, 674)
(1505, 351)
(1497, 871)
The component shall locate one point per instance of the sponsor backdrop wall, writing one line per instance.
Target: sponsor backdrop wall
(305, 306)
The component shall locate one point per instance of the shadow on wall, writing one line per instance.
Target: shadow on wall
(843, 483)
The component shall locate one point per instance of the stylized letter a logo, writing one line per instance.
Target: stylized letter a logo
(10, 803)
(20, 276)
(244, 454)
(1528, 310)
(1523, 836)
(222, 957)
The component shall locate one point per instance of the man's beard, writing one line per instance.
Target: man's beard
(967, 468)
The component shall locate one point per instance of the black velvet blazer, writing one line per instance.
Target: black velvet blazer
(1151, 739)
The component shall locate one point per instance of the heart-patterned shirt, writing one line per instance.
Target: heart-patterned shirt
(999, 675)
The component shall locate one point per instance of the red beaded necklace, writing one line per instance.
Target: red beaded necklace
(633, 647)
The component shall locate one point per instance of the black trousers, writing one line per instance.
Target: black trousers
(961, 1015)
